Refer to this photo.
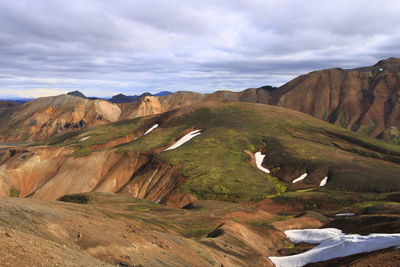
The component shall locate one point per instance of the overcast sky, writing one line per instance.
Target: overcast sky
(104, 47)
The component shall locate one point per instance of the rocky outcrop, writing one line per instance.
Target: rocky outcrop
(50, 173)
(154, 182)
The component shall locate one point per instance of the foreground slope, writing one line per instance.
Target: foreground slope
(206, 233)
(217, 163)
(47, 233)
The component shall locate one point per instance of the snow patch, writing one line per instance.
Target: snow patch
(301, 177)
(344, 214)
(324, 181)
(381, 69)
(259, 160)
(151, 129)
(312, 236)
(84, 138)
(184, 139)
(338, 246)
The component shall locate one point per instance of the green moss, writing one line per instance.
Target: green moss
(25, 136)
(367, 129)
(14, 193)
(343, 119)
(392, 134)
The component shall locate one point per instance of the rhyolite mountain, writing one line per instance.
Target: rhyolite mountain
(364, 99)
(48, 116)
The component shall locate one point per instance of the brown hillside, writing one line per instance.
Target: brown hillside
(363, 99)
(48, 116)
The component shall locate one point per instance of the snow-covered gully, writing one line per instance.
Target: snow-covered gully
(184, 139)
(151, 129)
(259, 160)
(324, 181)
(333, 244)
(301, 177)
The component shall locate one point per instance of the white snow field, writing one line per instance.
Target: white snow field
(301, 177)
(184, 139)
(312, 236)
(259, 160)
(324, 181)
(338, 245)
(151, 128)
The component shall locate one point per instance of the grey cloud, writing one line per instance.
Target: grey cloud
(205, 45)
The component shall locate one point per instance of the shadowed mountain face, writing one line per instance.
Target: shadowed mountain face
(77, 93)
(121, 98)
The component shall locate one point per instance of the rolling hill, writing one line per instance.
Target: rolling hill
(219, 163)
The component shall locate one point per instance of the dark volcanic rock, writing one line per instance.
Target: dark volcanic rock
(77, 93)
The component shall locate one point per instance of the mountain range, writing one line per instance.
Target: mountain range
(364, 100)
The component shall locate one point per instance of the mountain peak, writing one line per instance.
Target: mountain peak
(77, 93)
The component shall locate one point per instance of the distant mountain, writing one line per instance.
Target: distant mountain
(121, 98)
(77, 93)
(48, 116)
(163, 93)
(17, 100)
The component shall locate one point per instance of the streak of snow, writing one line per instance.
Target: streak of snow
(184, 139)
(259, 160)
(84, 138)
(344, 214)
(151, 129)
(324, 181)
(381, 69)
(301, 177)
(339, 246)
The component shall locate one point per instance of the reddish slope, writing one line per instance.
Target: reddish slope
(363, 99)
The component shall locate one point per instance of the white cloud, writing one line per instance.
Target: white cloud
(32, 93)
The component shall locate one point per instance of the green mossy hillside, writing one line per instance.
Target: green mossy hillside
(216, 165)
